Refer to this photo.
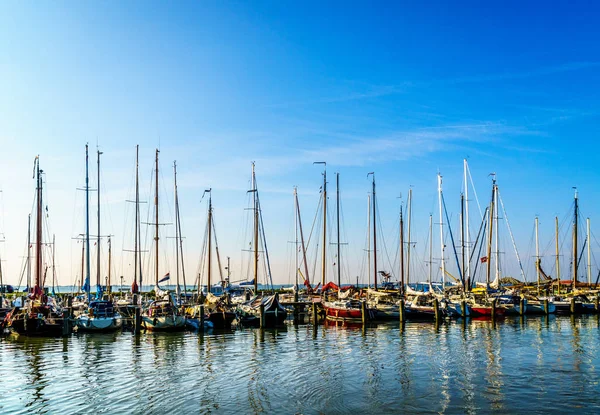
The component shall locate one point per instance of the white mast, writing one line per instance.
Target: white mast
(442, 247)
(296, 232)
(369, 240)
(466, 242)
(409, 240)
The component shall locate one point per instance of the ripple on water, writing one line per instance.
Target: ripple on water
(534, 364)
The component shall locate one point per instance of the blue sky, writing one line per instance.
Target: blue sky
(404, 90)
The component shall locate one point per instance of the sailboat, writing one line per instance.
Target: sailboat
(161, 314)
(249, 312)
(100, 315)
(39, 316)
(218, 313)
(348, 309)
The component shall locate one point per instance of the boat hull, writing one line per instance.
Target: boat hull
(163, 323)
(99, 324)
(485, 311)
(221, 319)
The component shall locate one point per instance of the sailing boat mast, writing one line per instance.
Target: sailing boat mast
(156, 219)
(53, 267)
(324, 258)
(496, 204)
(137, 223)
(374, 236)
(409, 214)
(177, 236)
(296, 235)
(98, 282)
(490, 233)
(108, 287)
(369, 240)
(537, 255)
(401, 252)
(88, 272)
(29, 252)
(339, 262)
(467, 276)
(589, 253)
(209, 240)
(430, 250)
(38, 265)
(575, 243)
(255, 203)
(442, 246)
(462, 240)
(557, 255)
(306, 276)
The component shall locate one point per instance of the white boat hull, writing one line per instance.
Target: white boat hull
(87, 323)
(163, 323)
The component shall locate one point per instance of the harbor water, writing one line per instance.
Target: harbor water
(539, 365)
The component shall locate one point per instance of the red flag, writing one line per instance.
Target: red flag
(484, 259)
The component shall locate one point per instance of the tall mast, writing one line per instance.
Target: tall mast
(537, 254)
(557, 254)
(306, 276)
(467, 275)
(374, 236)
(490, 233)
(255, 229)
(82, 259)
(296, 234)
(98, 282)
(497, 236)
(53, 267)
(88, 272)
(29, 253)
(409, 213)
(108, 286)
(156, 220)
(462, 240)
(430, 250)
(137, 260)
(442, 247)
(176, 228)
(209, 241)
(339, 259)
(324, 252)
(369, 240)
(575, 244)
(38, 265)
(589, 253)
(401, 252)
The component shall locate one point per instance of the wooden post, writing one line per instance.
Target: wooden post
(597, 304)
(494, 309)
(521, 306)
(262, 315)
(463, 308)
(137, 317)
(573, 305)
(436, 309)
(315, 317)
(65, 326)
(546, 309)
(363, 312)
(401, 310)
(201, 328)
(296, 307)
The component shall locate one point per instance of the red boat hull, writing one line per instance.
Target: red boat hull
(346, 314)
(484, 311)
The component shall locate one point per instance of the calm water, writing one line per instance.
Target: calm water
(539, 365)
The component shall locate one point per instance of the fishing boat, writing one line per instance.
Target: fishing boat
(39, 315)
(347, 310)
(99, 315)
(163, 313)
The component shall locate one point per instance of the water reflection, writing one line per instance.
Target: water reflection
(518, 364)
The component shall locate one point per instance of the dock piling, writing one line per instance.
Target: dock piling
(573, 305)
(436, 309)
(363, 312)
(262, 315)
(201, 328)
(521, 306)
(315, 316)
(494, 309)
(401, 310)
(546, 310)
